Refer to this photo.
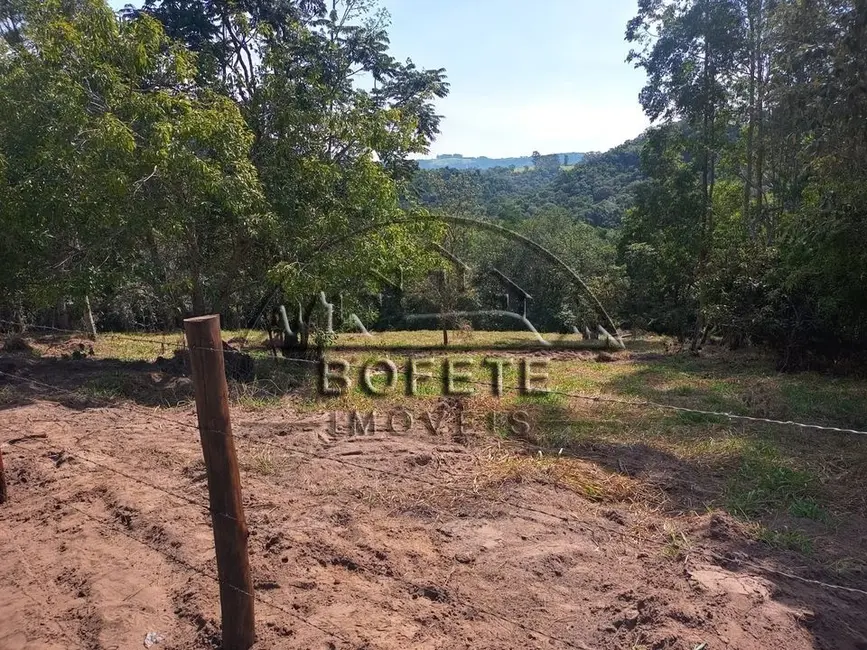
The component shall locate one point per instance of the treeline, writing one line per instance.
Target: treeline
(752, 222)
(596, 190)
(187, 158)
(740, 214)
(183, 158)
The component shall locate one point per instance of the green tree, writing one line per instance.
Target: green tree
(690, 52)
(114, 160)
(332, 153)
(661, 237)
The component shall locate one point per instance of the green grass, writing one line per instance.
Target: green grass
(816, 397)
(106, 387)
(763, 485)
(137, 346)
(549, 399)
(808, 508)
(461, 340)
(788, 540)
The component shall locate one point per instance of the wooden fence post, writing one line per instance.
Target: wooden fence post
(224, 483)
(3, 494)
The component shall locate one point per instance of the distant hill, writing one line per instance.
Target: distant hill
(598, 189)
(457, 161)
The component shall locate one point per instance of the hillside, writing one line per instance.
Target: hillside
(597, 190)
(457, 161)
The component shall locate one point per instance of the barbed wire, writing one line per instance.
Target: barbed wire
(457, 490)
(287, 448)
(114, 335)
(476, 606)
(579, 396)
(716, 556)
(195, 569)
(77, 455)
(270, 603)
(277, 606)
(313, 456)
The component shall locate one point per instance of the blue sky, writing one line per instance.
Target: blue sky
(547, 75)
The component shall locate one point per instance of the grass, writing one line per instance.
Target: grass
(764, 488)
(785, 539)
(808, 509)
(137, 347)
(677, 544)
(470, 340)
(763, 485)
(762, 473)
(505, 466)
(106, 387)
(262, 460)
(253, 397)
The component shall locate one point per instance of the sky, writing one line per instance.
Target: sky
(525, 75)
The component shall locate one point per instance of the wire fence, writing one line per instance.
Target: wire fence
(522, 510)
(606, 399)
(410, 586)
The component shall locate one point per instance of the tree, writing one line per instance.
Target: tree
(114, 161)
(537, 158)
(689, 51)
(769, 98)
(244, 154)
(331, 154)
(662, 235)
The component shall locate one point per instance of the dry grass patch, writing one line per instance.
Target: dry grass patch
(501, 465)
(263, 459)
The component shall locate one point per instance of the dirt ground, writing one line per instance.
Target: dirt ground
(380, 541)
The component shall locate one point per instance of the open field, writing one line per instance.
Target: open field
(601, 524)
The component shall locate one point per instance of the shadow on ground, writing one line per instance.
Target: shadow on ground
(89, 382)
(759, 480)
(768, 517)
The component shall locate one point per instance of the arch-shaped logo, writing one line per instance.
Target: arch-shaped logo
(518, 315)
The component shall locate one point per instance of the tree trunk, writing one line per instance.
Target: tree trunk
(61, 314)
(760, 120)
(198, 296)
(88, 315)
(751, 119)
(706, 195)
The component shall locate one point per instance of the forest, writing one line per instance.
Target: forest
(195, 157)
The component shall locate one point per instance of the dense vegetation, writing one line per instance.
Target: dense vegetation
(598, 189)
(190, 156)
(184, 157)
(747, 220)
(752, 220)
